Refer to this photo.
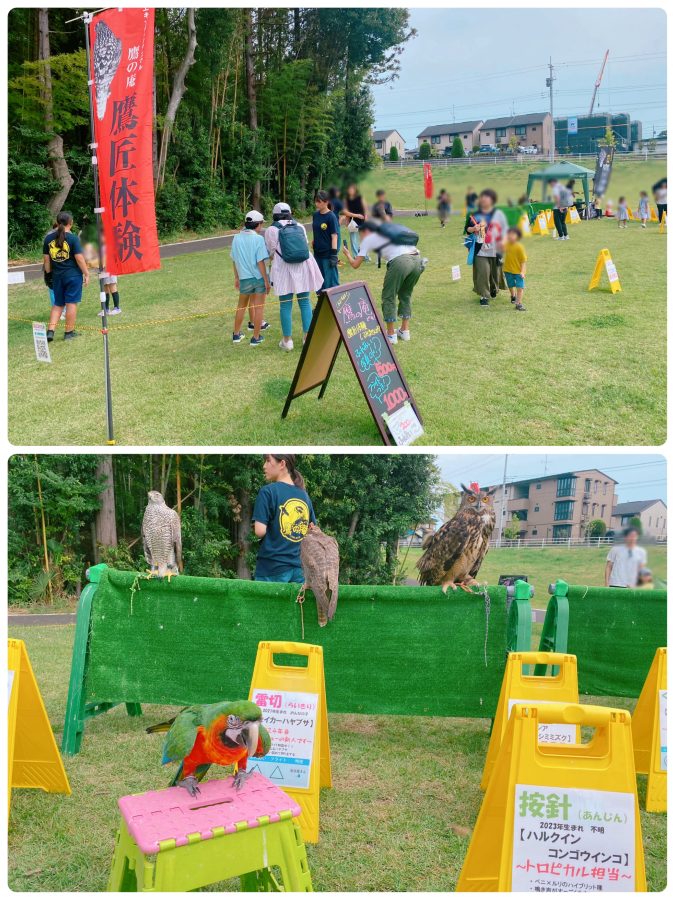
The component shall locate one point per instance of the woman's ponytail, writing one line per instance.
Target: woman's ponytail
(62, 220)
(296, 477)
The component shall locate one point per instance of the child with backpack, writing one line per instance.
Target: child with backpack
(396, 244)
(294, 271)
(249, 253)
(643, 209)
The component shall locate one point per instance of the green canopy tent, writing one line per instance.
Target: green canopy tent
(563, 171)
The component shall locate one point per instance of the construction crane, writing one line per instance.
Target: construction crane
(597, 83)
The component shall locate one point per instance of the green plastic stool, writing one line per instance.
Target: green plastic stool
(169, 841)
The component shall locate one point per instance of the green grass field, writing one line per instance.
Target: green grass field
(405, 796)
(576, 566)
(577, 368)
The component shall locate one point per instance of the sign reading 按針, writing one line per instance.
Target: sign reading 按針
(572, 840)
(663, 729)
(456, 273)
(346, 314)
(290, 717)
(40, 341)
(550, 734)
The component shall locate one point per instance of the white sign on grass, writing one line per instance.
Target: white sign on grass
(16, 278)
(40, 342)
(550, 734)
(456, 273)
(572, 840)
(663, 728)
(290, 717)
(404, 425)
(610, 268)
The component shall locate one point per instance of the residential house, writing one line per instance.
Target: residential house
(442, 136)
(532, 130)
(385, 140)
(652, 514)
(557, 507)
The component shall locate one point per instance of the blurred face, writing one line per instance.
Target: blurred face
(351, 190)
(321, 205)
(273, 469)
(485, 203)
(631, 540)
(511, 237)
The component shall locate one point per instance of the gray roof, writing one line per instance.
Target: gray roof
(383, 135)
(509, 121)
(634, 508)
(454, 128)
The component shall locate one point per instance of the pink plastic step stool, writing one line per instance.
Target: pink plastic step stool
(221, 833)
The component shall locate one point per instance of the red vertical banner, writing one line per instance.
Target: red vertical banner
(428, 181)
(121, 68)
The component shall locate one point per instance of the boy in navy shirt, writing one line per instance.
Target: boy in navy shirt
(326, 231)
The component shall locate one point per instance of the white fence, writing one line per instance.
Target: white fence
(519, 159)
(568, 543)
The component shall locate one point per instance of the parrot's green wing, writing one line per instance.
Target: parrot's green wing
(182, 736)
(265, 741)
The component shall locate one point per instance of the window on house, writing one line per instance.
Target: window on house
(500, 132)
(539, 486)
(563, 510)
(562, 532)
(595, 486)
(602, 511)
(650, 521)
(378, 145)
(566, 486)
(488, 133)
(534, 531)
(436, 139)
(587, 485)
(520, 130)
(536, 509)
(533, 128)
(466, 136)
(604, 487)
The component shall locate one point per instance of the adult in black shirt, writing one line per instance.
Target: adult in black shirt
(355, 211)
(471, 200)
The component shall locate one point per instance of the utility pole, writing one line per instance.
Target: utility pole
(504, 504)
(549, 85)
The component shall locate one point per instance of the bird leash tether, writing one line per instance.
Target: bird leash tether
(486, 597)
(300, 599)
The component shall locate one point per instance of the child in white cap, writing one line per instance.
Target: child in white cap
(249, 253)
(294, 270)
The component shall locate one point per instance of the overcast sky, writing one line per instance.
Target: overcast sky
(640, 477)
(490, 62)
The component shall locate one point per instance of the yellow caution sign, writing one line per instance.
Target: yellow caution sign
(293, 701)
(663, 224)
(520, 687)
(540, 225)
(604, 262)
(653, 217)
(630, 213)
(557, 817)
(550, 222)
(650, 733)
(573, 217)
(525, 226)
(34, 758)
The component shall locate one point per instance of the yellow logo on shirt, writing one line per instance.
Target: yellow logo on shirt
(324, 226)
(59, 254)
(294, 520)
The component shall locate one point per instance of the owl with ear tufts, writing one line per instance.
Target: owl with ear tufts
(454, 554)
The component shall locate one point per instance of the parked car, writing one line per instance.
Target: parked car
(529, 150)
(488, 148)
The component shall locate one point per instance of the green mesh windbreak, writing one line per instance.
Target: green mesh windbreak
(392, 650)
(614, 634)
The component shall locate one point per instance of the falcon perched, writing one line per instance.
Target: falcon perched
(455, 553)
(320, 558)
(161, 537)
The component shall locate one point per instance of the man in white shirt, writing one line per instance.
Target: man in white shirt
(625, 561)
(404, 267)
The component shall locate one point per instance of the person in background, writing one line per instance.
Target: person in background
(562, 200)
(489, 226)
(355, 212)
(282, 516)
(63, 257)
(291, 279)
(404, 267)
(643, 209)
(444, 207)
(382, 208)
(622, 213)
(625, 561)
(471, 200)
(325, 231)
(248, 254)
(661, 197)
(515, 266)
(336, 206)
(48, 278)
(645, 580)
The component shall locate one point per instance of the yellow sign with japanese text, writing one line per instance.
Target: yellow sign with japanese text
(605, 262)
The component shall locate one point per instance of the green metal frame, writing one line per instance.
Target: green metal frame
(519, 625)
(556, 624)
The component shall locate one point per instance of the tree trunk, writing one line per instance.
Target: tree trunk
(251, 94)
(57, 161)
(176, 96)
(352, 525)
(106, 523)
(243, 530)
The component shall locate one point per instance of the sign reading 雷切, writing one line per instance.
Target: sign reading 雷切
(290, 718)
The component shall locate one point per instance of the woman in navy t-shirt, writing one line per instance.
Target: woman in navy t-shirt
(282, 516)
(65, 266)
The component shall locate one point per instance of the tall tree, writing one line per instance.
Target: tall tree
(251, 93)
(57, 161)
(106, 522)
(177, 95)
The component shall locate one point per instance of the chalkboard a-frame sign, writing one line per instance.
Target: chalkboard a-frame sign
(346, 314)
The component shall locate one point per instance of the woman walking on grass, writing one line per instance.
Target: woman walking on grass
(63, 258)
(355, 212)
(488, 225)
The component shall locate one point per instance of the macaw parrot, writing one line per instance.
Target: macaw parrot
(219, 734)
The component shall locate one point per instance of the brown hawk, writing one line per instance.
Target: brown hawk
(161, 533)
(453, 555)
(320, 558)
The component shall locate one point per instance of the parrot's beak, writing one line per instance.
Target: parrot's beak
(250, 733)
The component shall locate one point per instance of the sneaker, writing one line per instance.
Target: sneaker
(393, 339)
(520, 307)
(493, 294)
(50, 336)
(286, 344)
(100, 314)
(566, 237)
(263, 327)
(484, 301)
(513, 299)
(403, 335)
(69, 335)
(256, 341)
(237, 337)
(643, 225)
(115, 311)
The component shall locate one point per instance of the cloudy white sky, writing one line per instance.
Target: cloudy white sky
(640, 477)
(489, 62)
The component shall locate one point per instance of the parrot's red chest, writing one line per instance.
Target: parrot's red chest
(208, 748)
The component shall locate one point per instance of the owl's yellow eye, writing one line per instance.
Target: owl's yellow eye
(485, 499)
